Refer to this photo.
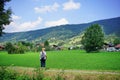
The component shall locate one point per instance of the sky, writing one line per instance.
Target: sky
(39, 14)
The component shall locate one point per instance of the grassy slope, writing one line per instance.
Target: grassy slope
(66, 60)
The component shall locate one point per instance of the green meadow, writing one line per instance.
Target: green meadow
(73, 59)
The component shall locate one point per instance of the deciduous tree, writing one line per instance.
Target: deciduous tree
(5, 15)
(93, 38)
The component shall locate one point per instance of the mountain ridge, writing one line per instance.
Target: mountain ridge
(62, 32)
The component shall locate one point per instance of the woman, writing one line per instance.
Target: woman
(43, 57)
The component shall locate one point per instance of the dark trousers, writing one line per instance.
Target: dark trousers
(43, 63)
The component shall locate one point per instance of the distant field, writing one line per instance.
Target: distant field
(74, 59)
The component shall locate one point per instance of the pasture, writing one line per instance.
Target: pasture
(74, 59)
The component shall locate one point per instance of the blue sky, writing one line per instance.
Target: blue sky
(38, 14)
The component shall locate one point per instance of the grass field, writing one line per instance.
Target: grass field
(74, 59)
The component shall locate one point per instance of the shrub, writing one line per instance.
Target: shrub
(7, 74)
(18, 48)
(78, 77)
(39, 74)
(116, 41)
(24, 77)
(39, 48)
(10, 48)
(48, 48)
(60, 76)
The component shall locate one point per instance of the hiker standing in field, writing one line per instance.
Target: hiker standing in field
(43, 57)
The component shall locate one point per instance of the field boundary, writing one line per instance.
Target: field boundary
(30, 70)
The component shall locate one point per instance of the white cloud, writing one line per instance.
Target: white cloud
(48, 8)
(14, 17)
(25, 26)
(56, 23)
(30, 25)
(71, 5)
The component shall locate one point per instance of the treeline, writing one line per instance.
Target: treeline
(21, 47)
(92, 40)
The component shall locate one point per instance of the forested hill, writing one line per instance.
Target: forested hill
(62, 32)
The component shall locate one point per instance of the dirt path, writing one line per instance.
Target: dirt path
(30, 70)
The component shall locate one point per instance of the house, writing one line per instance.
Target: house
(39, 44)
(117, 47)
(57, 47)
(2, 47)
(109, 47)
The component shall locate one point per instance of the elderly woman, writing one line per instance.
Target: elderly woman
(43, 57)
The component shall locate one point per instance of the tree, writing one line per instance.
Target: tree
(93, 38)
(46, 43)
(5, 15)
(19, 48)
(116, 41)
(10, 48)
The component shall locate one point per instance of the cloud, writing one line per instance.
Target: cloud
(56, 23)
(48, 8)
(71, 5)
(30, 24)
(14, 17)
(25, 26)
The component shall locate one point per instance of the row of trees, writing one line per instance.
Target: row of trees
(21, 47)
(92, 41)
(15, 48)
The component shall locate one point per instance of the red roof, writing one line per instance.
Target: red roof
(117, 46)
(1, 47)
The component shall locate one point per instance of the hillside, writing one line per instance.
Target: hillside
(62, 33)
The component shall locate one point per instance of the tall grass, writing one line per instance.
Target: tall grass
(40, 74)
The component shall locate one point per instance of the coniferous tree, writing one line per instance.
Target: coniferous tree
(46, 43)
